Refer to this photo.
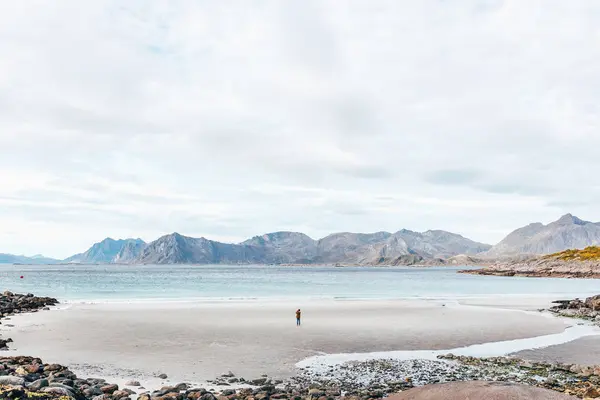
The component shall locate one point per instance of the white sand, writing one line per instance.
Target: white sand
(196, 342)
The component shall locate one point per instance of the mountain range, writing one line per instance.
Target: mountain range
(404, 247)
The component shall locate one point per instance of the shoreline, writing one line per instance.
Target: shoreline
(323, 368)
(435, 325)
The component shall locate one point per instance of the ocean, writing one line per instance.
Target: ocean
(119, 283)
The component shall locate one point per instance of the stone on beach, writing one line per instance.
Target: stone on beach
(12, 380)
(479, 390)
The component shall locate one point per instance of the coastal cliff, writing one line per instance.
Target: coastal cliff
(565, 264)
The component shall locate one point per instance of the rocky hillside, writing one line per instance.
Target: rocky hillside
(106, 251)
(441, 244)
(284, 247)
(568, 232)
(572, 263)
(129, 252)
(381, 248)
(179, 249)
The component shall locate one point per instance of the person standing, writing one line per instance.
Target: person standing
(298, 317)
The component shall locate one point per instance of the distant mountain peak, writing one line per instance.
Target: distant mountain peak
(571, 219)
(568, 232)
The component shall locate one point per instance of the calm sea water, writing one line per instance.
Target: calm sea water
(184, 282)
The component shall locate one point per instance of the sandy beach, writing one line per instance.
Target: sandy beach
(197, 342)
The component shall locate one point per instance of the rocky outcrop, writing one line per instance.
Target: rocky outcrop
(568, 232)
(588, 309)
(568, 264)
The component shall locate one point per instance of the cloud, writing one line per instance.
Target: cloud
(230, 119)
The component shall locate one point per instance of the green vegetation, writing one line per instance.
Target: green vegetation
(590, 253)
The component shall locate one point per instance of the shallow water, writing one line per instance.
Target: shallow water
(101, 283)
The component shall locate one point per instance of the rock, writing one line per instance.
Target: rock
(34, 368)
(593, 303)
(182, 386)
(316, 393)
(591, 393)
(52, 368)
(120, 394)
(21, 371)
(61, 386)
(261, 396)
(103, 397)
(163, 376)
(12, 380)
(144, 396)
(60, 391)
(109, 389)
(228, 392)
(12, 392)
(208, 396)
(576, 369)
(133, 383)
(92, 391)
(165, 390)
(258, 382)
(38, 385)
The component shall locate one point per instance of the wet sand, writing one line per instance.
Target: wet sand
(584, 351)
(196, 342)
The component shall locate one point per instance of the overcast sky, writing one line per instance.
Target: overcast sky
(227, 119)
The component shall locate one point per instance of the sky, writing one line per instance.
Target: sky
(228, 119)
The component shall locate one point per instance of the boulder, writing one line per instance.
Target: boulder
(133, 383)
(109, 389)
(591, 393)
(120, 394)
(208, 396)
(92, 392)
(60, 391)
(258, 382)
(165, 390)
(593, 302)
(12, 380)
(103, 397)
(38, 385)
